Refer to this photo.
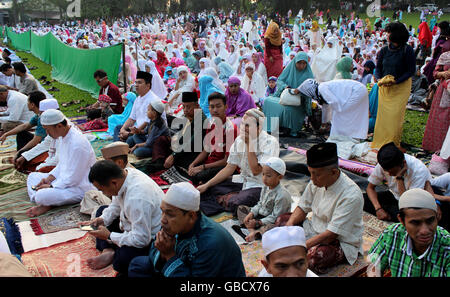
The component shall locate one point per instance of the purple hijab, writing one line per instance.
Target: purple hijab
(441, 47)
(241, 102)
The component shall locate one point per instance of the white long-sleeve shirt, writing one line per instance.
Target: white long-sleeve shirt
(76, 158)
(17, 108)
(138, 206)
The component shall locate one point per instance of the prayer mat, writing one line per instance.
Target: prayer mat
(10, 180)
(62, 220)
(68, 259)
(16, 203)
(98, 144)
(352, 166)
(222, 217)
(252, 254)
(78, 120)
(172, 176)
(11, 233)
(31, 241)
(10, 145)
(164, 185)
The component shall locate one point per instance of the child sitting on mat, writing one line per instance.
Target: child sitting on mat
(274, 201)
(142, 146)
(102, 121)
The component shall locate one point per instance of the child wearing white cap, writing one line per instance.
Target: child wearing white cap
(155, 129)
(274, 201)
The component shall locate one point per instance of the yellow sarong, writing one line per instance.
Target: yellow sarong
(391, 113)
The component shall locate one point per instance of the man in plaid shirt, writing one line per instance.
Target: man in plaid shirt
(415, 247)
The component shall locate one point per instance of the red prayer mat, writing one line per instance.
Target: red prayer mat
(66, 259)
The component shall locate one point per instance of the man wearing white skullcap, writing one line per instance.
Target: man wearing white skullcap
(189, 243)
(68, 181)
(27, 140)
(285, 253)
(129, 224)
(415, 247)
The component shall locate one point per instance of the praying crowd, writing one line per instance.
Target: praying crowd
(201, 100)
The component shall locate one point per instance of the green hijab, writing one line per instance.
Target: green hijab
(345, 66)
(291, 76)
(190, 60)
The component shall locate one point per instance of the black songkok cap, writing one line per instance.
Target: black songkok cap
(322, 155)
(145, 76)
(189, 97)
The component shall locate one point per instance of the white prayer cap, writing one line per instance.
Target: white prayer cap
(276, 164)
(48, 104)
(184, 196)
(158, 105)
(52, 117)
(418, 198)
(282, 237)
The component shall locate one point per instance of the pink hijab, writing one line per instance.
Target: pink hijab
(133, 68)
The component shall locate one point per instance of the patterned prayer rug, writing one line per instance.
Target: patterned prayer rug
(79, 120)
(68, 259)
(172, 176)
(10, 180)
(62, 220)
(16, 203)
(98, 144)
(252, 254)
(9, 145)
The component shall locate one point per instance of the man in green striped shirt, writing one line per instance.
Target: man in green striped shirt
(415, 247)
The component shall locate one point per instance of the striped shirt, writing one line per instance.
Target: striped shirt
(394, 250)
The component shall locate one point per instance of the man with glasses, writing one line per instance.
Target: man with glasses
(106, 88)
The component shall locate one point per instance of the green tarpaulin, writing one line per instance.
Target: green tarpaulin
(71, 65)
(40, 47)
(19, 41)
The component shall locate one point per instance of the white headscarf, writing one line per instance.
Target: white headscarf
(158, 86)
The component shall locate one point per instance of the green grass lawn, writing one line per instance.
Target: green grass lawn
(67, 93)
(414, 127)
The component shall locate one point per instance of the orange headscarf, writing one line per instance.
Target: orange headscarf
(315, 26)
(273, 33)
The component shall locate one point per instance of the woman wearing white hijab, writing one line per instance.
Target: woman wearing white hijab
(233, 58)
(204, 63)
(185, 83)
(324, 63)
(253, 83)
(223, 53)
(176, 54)
(216, 82)
(158, 86)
